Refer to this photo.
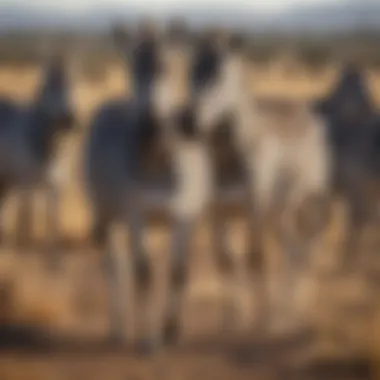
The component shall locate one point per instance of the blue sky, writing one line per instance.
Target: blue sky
(152, 5)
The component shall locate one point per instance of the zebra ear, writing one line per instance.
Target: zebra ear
(219, 37)
(210, 35)
(322, 107)
(376, 132)
(146, 28)
(74, 65)
(121, 35)
(237, 42)
(178, 31)
(45, 51)
(51, 58)
(185, 123)
(58, 59)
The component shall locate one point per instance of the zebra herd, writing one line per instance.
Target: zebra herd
(290, 159)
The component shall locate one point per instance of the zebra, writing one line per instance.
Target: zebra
(28, 138)
(354, 134)
(220, 98)
(121, 134)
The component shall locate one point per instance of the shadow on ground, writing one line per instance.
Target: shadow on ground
(237, 357)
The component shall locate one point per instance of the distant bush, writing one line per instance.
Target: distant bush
(18, 53)
(314, 58)
(375, 61)
(310, 51)
(261, 53)
(93, 70)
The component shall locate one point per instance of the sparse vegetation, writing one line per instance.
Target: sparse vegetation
(39, 299)
(261, 54)
(313, 52)
(314, 57)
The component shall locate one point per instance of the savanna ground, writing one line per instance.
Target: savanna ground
(344, 311)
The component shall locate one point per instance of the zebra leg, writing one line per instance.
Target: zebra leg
(313, 217)
(256, 229)
(98, 231)
(3, 194)
(52, 218)
(143, 275)
(263, 170)
(116, 271)
(179, 261)
(301, 229)
(292, 250)
(256, 264)
(193, 193)
(101, 219)
(227, 265)
(356, 223)
(24, 218)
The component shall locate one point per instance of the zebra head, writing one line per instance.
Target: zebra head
(349, 102)
(140, 50)
(54, 98)
(215, 79)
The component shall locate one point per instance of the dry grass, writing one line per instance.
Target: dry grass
(75, 301)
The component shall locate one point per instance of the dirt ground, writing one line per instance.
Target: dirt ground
(341, 339)
(55, 327)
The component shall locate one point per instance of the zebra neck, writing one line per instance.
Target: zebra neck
(41, 134)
